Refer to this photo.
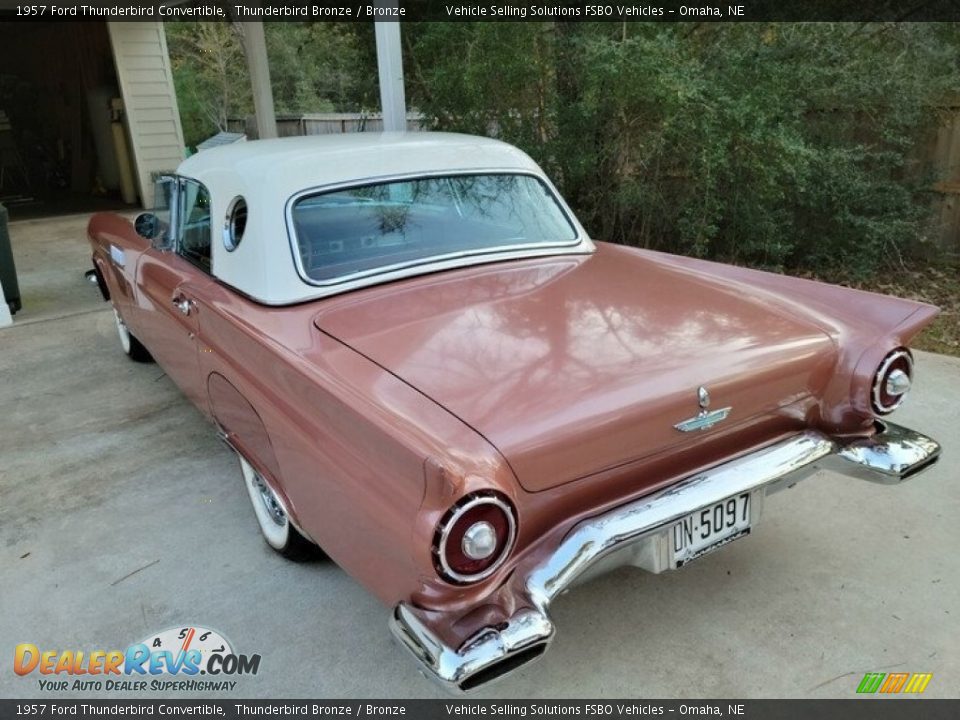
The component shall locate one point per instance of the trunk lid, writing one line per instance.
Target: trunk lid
(574, 365)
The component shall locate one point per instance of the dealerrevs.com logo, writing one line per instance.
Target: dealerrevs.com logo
(173, 659)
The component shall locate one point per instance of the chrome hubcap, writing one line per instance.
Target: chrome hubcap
(270, 502)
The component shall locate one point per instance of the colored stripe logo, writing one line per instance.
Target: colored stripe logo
(918, 682)
(893, 683)
(870, 683)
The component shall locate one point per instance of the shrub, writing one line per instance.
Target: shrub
(778, 145)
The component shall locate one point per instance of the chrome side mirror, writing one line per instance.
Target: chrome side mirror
(148, 226)
(152, 228)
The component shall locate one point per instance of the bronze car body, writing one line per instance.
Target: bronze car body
(553, 383)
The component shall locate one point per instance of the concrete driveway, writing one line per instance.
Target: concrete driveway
(121, 515)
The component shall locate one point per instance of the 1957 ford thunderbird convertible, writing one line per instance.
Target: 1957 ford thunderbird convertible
(429, 370)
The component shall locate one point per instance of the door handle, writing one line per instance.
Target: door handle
(184, 305)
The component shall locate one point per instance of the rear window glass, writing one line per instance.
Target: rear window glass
(406, 222)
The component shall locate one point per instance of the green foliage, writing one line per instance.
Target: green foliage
(314, 67)
(778, 145)
(318, 67)
(210, 76)
(769, 144)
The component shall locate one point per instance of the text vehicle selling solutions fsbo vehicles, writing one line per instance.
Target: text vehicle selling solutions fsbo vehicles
(429, 370)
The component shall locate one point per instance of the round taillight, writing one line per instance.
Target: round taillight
(892, 381)
(474, 538)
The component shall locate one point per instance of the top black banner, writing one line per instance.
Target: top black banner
(466, 11)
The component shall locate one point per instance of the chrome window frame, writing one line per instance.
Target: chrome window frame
(435, 262)
(177, 248)
(169, 244)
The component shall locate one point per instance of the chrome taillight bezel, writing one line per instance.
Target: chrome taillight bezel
(880, 379)
(449, 522)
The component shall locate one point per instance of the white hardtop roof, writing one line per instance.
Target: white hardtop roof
(298, 163)
(268, 173)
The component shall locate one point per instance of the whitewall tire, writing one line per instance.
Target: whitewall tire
(133, 348)
(272, 517)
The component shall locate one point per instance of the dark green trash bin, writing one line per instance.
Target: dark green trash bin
(8, 271)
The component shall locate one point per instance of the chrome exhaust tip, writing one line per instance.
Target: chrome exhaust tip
(893, 454)
(503, 667)
(490, 654)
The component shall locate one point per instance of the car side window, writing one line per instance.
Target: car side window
(194, 241)
(164, 189)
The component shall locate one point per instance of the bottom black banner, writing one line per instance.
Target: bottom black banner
(876, 708)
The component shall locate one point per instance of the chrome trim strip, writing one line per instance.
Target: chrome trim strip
(580, 245)
(118, 256)
(593, 539)
(637, 533)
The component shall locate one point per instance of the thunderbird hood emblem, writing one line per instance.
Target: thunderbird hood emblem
(705, 418)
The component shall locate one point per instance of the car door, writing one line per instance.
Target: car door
(169, 282)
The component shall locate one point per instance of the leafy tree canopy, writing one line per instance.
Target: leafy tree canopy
(778, 145)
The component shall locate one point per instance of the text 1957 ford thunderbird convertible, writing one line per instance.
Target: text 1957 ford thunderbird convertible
(430, 371)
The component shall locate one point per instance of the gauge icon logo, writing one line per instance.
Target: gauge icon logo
(190, 650)
(184, 639)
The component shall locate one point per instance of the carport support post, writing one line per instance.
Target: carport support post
(390, 66)
(255, 48)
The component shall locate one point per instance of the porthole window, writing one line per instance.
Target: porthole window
(236, 223)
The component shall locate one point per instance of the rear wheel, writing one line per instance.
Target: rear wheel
(128, 341)
(273, 519)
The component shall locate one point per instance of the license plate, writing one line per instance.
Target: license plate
(709, 528)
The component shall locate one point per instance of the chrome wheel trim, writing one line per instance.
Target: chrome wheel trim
(271, 514)
(122, 331)
(269, 500)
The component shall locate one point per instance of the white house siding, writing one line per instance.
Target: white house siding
(150, 102)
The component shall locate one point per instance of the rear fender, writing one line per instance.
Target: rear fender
(244, 431)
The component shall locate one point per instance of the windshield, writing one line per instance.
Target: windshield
(405, 222)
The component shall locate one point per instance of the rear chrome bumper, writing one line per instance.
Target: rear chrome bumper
(638, 532)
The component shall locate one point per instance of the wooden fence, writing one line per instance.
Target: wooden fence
(943, 153)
